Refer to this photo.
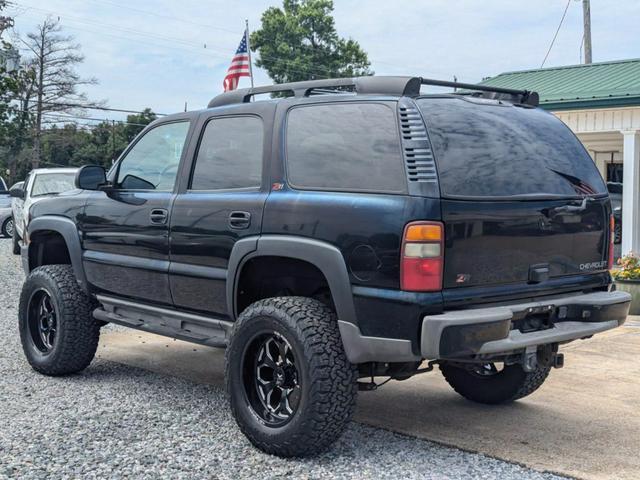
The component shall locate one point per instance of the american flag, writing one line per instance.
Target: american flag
(240, 66)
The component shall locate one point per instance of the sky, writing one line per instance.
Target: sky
(163, 53)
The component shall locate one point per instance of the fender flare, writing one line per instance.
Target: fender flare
(69, 232)
(324, 256)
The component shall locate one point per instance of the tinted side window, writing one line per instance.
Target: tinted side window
(230, 154)
(152, 163)
(349, 147)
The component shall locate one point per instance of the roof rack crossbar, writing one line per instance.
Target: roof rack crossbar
(522, 96)
(402, 86)
(370, 85)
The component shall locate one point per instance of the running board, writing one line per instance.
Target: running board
(163, 321)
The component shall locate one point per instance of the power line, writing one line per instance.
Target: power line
(106, 120)
(98, 107)
(63, 116)
(209, 52)
(564, 14)
(155, 14)
(224, 54)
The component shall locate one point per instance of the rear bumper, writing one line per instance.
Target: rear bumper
(489, 330)
(460, 333)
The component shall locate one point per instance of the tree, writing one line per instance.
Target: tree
(16, 82)
(101, 144)
(300, 42)
(136, 122)
(55, 57)
(5, 22)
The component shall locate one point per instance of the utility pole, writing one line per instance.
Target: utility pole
(113, 141)
(586, 14)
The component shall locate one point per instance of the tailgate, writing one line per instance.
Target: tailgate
(500, 242)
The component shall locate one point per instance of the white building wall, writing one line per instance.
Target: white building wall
(613, 135)
(601, 120)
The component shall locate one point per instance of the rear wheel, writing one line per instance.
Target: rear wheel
(58, 333)
(486, 383)
(7, 227)
(292, 390)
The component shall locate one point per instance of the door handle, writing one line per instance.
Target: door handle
(239, 220)
(158, 216)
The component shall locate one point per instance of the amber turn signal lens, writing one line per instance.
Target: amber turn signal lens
(423, 233)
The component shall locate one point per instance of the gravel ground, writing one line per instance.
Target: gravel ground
(113, 421)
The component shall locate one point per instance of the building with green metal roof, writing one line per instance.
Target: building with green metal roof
(597, 85)
(600, 102)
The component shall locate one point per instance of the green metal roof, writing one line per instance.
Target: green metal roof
(604, 84)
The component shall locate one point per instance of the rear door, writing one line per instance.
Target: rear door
(523, 204)
(125, 231)
(221, 200)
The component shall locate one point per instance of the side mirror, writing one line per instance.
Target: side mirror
(17, 192)
(91, 177)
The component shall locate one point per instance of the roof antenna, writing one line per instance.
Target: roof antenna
(455, 79)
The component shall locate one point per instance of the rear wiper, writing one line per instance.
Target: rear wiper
(580, 187)
(573, 208)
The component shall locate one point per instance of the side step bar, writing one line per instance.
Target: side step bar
(163, 321)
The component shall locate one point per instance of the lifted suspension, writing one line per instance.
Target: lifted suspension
(398, 374)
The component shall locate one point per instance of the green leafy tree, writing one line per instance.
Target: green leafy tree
(300, 42)
(136, 122)
(76, 145)
(16, 85)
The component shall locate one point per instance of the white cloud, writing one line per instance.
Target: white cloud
(155, 60)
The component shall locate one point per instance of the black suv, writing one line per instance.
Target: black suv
(345, 229)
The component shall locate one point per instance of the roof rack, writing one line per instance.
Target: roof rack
(377, 85)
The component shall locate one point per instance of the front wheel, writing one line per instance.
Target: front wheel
(7, 227)
(58, 333)
(292, 390)
(486, 383)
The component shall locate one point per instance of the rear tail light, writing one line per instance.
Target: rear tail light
(422, 257)
(612, 224)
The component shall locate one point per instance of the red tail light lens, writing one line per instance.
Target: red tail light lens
(612, 224)
(422, 257)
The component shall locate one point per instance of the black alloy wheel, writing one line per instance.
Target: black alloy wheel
(271, 379)
(42, 320)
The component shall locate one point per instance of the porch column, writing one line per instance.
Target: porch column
(631, 192)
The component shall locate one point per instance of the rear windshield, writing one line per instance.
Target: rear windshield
(486, 149)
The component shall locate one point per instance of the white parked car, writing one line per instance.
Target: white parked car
(39, 184)
(6, 221)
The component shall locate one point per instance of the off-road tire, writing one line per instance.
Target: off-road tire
(508, 385)
(15, 240)
(77, 331)
(328, 379)
(5, 227)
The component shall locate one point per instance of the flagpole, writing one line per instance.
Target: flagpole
(246, 22)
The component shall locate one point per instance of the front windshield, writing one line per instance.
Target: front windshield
(51, 183)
